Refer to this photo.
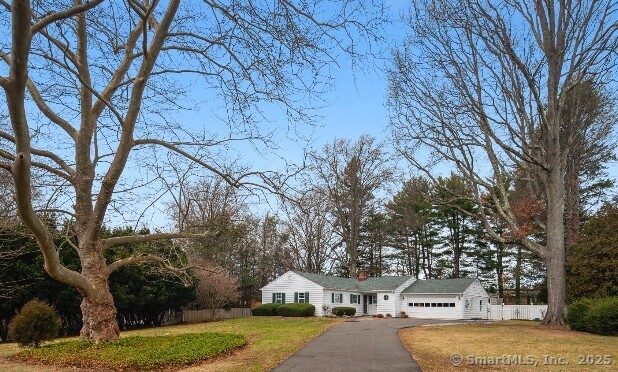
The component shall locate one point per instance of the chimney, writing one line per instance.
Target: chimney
(362, 275)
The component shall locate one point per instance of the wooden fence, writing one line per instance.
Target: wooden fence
(508, 312)
(196, 316)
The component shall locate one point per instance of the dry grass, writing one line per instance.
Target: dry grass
(432, 346)
(271, 340)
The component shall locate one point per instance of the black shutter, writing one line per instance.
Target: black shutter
(295, 297)
(306, 297)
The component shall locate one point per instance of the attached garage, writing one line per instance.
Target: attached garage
(462, 298)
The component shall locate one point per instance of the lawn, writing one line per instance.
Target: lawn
(494, 344)
(270, 341)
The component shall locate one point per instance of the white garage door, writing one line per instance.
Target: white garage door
(434, 308)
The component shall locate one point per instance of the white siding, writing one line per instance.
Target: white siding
(291, 282)
(477, 299)
(328, 300)
(433, 312)
(387, 306)
(400, 304)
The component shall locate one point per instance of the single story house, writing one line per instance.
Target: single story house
(435, 298)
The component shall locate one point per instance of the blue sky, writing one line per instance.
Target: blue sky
(355, 106)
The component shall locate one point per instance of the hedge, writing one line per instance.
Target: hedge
(576, 314)
(341, 311)
(598, 316)
(298, 309)
(265, 310)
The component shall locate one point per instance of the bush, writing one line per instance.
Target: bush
(341, 311)
(389, 316)
(296, 310)
(598, 316)
(602, 318)
(380, 316)
(265, 310)
(576, 314)
(34, 323)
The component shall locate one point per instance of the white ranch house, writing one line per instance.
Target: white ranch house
(436, 298)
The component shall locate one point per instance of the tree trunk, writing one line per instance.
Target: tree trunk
(500, 269)
(98, 309)
(99, 317)
(555, 254)
(518, 276)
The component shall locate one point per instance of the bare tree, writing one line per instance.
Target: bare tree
(91, 87)
(349, 174)
(215, 288)
(311, 235)
(481, 86)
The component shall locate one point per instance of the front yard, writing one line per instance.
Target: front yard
(270, 341)
(512, 345)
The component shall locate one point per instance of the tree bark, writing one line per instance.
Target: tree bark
(98, 309)
(555, 256)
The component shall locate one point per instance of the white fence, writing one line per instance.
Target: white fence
(508, 312)
(196, 316)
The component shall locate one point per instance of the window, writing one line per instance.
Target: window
(433, 304)
(301, 298)
(481, 305)
(355, 299)
(337, 298)
(440, 304)
(373, 300)
(279, 298)
(452, 304)
(427, 304)
(385, 297)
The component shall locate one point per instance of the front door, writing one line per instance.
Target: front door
(364, 304)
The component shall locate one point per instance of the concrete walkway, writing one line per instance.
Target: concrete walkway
(360, 344)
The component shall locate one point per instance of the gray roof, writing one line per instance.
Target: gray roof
(382, 283)
(440, 286)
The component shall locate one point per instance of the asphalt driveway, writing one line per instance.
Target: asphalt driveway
(360, 344)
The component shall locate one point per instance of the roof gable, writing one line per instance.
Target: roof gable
(450, 286)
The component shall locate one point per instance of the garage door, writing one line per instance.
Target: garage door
(434, 308)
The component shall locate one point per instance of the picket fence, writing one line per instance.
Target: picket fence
(196, 316)
(508, 312)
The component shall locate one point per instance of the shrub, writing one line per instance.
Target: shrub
(342, 310)
(389, 316)
(380, 316)
(403, 314)
(296, 310)
(602, 318)
(576, 314)
(265, 310)
(34, 323)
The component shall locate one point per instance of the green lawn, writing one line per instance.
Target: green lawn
(552, 349)
(270, 341)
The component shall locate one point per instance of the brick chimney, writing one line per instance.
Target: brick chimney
(362, 275)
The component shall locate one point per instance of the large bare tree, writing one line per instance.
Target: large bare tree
(481, 85)
(312, 237)
(349, 174)
(91, 87)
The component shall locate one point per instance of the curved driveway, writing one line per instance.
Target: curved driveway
(360, 344)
